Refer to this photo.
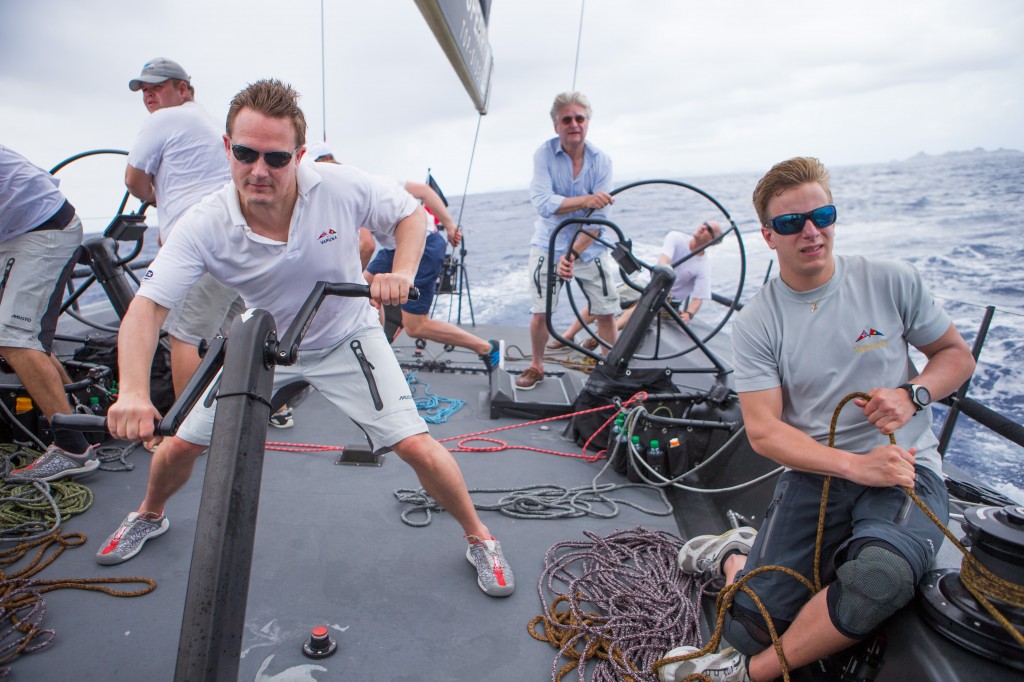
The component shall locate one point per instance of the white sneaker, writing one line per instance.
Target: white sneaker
(703, 554)
(728, 665)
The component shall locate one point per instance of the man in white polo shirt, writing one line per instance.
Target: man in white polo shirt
(176, 160)
(277, 230)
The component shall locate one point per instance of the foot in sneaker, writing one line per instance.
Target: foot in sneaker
(128, 539)
(492, 358)
(494, 575)
(283, 418)
(56, 463)
(703, 554)
(529, 379)
(727, 665)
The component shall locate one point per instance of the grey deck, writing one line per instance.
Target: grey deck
(331, 549)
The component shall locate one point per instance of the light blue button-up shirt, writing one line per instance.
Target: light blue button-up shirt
(553, 182)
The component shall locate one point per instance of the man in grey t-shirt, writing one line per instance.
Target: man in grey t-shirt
(829, 326)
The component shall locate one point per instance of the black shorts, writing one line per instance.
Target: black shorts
(854, 513)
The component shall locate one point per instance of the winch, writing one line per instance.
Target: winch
(995, 536)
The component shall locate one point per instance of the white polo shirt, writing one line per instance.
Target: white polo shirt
(182, 148)
(323, 244)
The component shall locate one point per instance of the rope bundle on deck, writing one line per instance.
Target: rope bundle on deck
(620, 602)
(30, 518)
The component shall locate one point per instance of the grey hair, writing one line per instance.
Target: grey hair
(570, 98)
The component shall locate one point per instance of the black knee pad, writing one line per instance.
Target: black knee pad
(868, 589)
(746, 632)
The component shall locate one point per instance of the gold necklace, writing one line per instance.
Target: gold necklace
(814, 305)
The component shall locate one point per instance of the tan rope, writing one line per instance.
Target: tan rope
(978, 580)
(21, 593)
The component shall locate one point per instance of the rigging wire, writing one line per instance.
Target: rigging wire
(469, 171)
(579, 41)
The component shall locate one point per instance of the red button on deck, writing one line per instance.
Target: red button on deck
(320, 644)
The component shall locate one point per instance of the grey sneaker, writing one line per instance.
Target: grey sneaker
(728, 665)
(128, 539)
(494, 575)
(56, 463)
(703, 554)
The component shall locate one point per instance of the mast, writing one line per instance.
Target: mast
(460, 27)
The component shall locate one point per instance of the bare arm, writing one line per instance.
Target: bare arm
(771, 437)
(392, 288)
(433, 201)
(140, 184)
(132, 416)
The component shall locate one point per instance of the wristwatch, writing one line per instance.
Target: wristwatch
(919, 395)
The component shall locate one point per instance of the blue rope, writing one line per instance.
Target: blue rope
(434, 409)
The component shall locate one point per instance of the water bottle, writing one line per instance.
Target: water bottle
(656, 458)
(637, 450)
(94, 405)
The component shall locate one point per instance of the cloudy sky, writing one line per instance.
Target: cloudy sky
(679, 88)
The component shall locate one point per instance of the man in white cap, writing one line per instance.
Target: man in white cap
(177, 159)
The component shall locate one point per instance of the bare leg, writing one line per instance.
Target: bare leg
(538, 339)
(422, 327)
(170, 470)
(576, 327)
(40, 377)
(811, 637)
(606, 328)
(441, 478)
(184, 362)
(620, 323)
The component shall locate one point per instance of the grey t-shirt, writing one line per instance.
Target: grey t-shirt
(851, 334)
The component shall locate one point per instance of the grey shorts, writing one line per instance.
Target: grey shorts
(594, 277)
(379, 400)
(855, 514)
(208, 308)
(34, 268)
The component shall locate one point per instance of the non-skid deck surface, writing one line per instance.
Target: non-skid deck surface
(331, 549)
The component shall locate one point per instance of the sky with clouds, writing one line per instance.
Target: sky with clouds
(679, 88)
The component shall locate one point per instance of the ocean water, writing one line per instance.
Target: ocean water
(957, 217)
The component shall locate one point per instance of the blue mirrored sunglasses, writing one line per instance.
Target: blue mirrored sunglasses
(792, 223)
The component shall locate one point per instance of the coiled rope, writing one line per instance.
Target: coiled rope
(434, 409)
(620, 600)
(539, 501)
(978, 580)
(31, 515)
(30, 510)
(21, 605)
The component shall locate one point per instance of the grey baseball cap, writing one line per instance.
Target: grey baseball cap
(157, 71)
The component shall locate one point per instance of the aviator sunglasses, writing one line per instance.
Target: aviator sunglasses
(793, 223)
(249, 155)
(579, 118)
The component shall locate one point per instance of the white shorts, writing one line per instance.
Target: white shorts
(33, 268)
(593, 276)
(372, 393)
(209, 307)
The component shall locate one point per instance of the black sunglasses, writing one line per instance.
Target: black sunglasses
(579, 118)
(793, 223)
(249, 155)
